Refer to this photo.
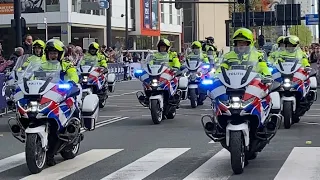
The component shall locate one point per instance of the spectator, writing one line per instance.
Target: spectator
(111, 55)
(127, 59)
(27, 44)
(103, 50)
(19, 51)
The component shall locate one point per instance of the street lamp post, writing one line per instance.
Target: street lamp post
(127, 25)
(17, 20)
(46, 26)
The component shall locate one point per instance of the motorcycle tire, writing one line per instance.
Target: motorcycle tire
(237, 151)
(171, 115)
(32, 144)
(70, 153)
(193, 98)
(156, 113)
(287, 114)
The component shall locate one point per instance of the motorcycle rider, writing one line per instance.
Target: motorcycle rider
(162, 55)
(197, 52)
(38, 47)
(211, 54)
(93, 54)
(243, 43)
(54, 53)
(293, 50)
(281, 47)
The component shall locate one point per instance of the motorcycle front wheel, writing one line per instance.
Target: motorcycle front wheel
(287, 114)
(193, 98)
(156, 113)
(237, 151)
(35, 153)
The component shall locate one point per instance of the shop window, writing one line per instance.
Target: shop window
(52, 5)
(162, 12)
(170, 13)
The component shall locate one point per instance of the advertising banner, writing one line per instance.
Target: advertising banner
(27, 6)
(150, 25)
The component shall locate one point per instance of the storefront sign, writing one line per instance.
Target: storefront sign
(6, 8)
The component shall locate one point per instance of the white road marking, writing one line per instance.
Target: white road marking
(12, 162)
(216, 168)
(67, 168)
(302, 163)
(146, 165)
(118, 95)
(107, 121)
(211, 142)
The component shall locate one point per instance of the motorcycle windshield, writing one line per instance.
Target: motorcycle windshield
(155, 65)
(193, 62)
(288, 60)
(91, 61)
(45, 72)
(239, 71)
(20, 61)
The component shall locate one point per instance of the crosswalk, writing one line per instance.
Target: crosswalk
(302, 163)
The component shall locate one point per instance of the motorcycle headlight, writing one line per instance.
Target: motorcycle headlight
(235, 103)
(85, 79)
(33, 106)
(286, 83)
(154, 83)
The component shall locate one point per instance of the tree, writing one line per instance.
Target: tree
(304, 34)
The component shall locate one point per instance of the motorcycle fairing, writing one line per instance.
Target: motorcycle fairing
(95, 77)
(55, 105)
(256, 99)
(167, 81)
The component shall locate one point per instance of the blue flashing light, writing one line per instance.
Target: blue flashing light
(207, 82)
(270, 69)
(64, 86)
(138, 71)
(206, 66)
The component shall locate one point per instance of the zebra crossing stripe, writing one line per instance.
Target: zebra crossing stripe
(12, 162)
(302, 163)
(67, 168)
(216, 168)
(146, 165)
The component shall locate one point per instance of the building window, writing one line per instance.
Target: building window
(162, 12)
(52, 5)
(178, 16)
(170, 13)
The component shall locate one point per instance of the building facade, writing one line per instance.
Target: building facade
(203, 20)
(72, 22)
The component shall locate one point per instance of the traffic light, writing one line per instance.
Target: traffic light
(177, 5)
(240, 1)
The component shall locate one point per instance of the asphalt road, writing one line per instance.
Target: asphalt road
(127, 145)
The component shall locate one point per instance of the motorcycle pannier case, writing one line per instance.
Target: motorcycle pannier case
(183, 86)
(111, 79)
(90, 110)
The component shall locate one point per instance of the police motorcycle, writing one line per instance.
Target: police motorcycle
(46, 109)
(160, 84)
(194, 71)
(246, 112)
(298, 89)
(95, 80)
